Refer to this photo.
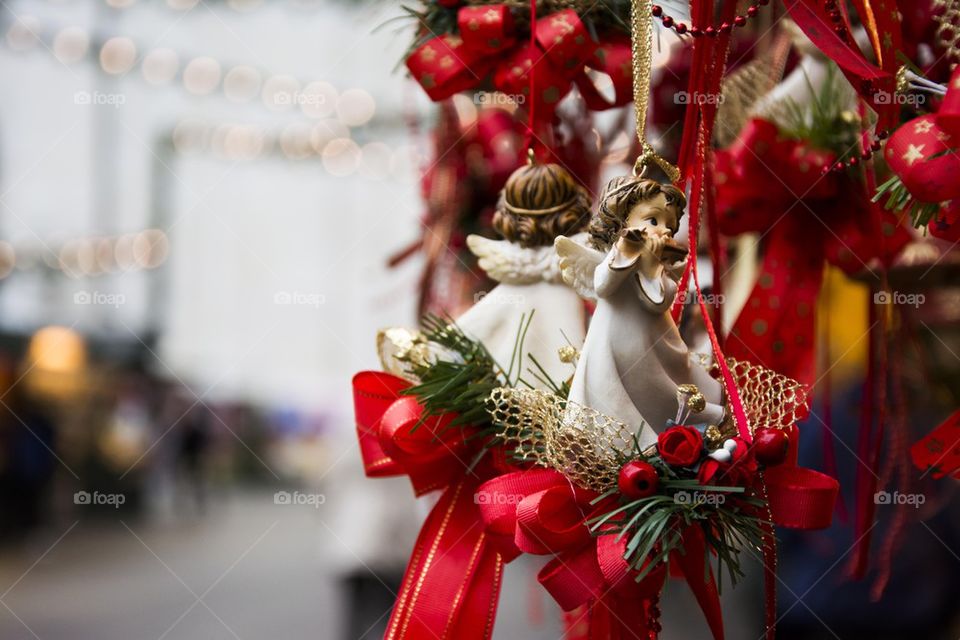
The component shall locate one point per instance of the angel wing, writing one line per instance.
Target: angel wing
(507, 262)
(578, 263)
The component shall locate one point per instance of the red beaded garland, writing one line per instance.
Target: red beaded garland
(681, 28)
(865, 154)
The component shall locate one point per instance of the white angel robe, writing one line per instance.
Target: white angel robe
(634, 359)
(529, 281)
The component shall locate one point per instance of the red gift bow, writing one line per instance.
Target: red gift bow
(939, 451)
(486, 45)
(773, 185)
(452, 583)
(539, 511)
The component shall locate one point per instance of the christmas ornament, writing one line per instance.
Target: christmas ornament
(770, 446)
(634, 359)
(539, 203)
(638, 479)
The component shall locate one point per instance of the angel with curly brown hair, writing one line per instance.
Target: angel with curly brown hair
(634, 361)
(539, 202)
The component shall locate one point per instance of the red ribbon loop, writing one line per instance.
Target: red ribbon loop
(801, 498)
(396, 439)
(486, 29)
(550, 521)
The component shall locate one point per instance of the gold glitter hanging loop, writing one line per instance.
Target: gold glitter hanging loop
(641, 32)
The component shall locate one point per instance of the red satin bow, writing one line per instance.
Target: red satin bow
(772, 185)
(539, 511)
(486, 46)
(452, 583)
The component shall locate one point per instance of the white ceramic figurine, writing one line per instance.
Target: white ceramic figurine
(538, 203)
(634, 359)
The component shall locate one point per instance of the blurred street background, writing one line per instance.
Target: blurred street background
(206, 210)
(197, 201)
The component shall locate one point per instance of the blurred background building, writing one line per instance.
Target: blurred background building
(196, 204)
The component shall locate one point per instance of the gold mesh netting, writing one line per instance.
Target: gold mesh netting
(588, 447)
(584, 445)
(769, 398)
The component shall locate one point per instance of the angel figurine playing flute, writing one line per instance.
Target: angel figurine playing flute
(634, 360)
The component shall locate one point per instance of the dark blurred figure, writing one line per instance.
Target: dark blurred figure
(28, 462)
(193, 455)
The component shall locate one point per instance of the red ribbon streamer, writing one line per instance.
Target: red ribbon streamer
(875, 85)
(771, 185)
(452, 583)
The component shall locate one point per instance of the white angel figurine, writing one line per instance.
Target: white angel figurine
(634, 360)
(538, 203)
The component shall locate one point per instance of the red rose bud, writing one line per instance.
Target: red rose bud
(770, 446)
(638, 480)
(680, 446)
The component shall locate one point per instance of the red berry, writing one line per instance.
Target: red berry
(875, 145)
(667, 21)
(638, 479)
(866, 153)
(752, 10)
(770, 446)
(681, 28)
(725, 27)
(695, 32)
(710, 32)
(740, 21)
(656, 10)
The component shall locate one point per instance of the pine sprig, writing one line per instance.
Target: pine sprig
(654, 525)
(459, 385)
(899, 198)
(826, 122)
(461, 380)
